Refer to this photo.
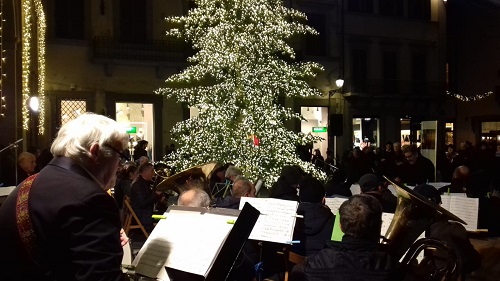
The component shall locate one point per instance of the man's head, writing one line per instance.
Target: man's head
(147, 171)
(94, 141)
(291, 174)
(232, 172)
(396, 146)
(142, 160)
(369, 183)
(311, 190)
(194, 198)
(361, 217)
(461, 176)
(27, 161)
(410, 152)
(243, 188)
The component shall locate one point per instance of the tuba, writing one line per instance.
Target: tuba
(197, 176)
(414, 214)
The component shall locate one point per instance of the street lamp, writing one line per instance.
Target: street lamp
(34, 103)
(339, 82)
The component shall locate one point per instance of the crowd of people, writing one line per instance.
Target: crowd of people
(61, 223)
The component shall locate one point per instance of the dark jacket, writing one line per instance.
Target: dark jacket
(142, 199)
(76, 224)
(229, 202)
(349, 260)
(281, 189)
(314, 230)
(421, 172)
(122, 189)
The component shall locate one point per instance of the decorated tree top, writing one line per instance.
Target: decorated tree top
(242, 64)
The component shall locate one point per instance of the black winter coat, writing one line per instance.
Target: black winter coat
(314, 230)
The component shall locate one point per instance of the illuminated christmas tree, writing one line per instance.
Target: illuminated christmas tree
(242, 64)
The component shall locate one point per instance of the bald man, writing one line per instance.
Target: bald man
(242, 187)
(26, 166)
(195, 197)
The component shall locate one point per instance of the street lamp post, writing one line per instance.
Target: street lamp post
(339, 83)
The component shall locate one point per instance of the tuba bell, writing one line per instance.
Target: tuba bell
(415, 214)
(197, 176)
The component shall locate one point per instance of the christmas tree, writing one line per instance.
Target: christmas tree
(242, 64)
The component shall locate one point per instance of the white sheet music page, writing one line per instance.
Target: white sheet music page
(463, 207)
(334, 203)
(386, 222)
(276, 221)
(186, 241)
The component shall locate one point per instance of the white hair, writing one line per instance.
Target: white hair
(232, 171)
(75, 138)
(194, 198)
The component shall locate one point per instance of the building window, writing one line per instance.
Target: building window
(391, 8)
(419, 9)
(68, 109)
(133, 21)
(69, 19)
(316, 44)
(359, 68)
(360, 6)
(365, 129)
(490, 133)
(390, 72)
(419, 74)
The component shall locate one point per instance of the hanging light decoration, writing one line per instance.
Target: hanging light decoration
(33, 9)
(469, 98)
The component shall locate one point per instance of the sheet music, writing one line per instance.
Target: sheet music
(276, 221)
(386, 222)
(462, 207)
(334, 203)
(186, 241)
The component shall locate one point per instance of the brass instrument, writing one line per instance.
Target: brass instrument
(198, 176)
(414, 214)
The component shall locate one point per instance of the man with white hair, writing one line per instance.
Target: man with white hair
(26, 165)
(70, 230)
(195, 197)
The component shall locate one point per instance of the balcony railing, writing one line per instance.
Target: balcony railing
(169, 50)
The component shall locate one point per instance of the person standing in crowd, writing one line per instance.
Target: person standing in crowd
(26, 166)
(142, 196)
(71, 228)
(316, 227)
(416, 169)
(359, 255)
(448, 163)
(140, 149)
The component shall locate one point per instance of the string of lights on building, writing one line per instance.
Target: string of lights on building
(36, 12)
(469, 98)
(2, 62)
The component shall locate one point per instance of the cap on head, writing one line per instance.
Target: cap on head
(369, 182)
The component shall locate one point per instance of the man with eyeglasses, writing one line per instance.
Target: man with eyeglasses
(416, 169)
(61, 224)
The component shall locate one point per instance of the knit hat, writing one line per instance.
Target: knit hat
(429, 192)
(291, 174)
(369, 182)
(311, 190)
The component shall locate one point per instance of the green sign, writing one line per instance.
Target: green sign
(319, 129)
(132, 130)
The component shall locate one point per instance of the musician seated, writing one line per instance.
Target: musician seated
(371, 185)
(453, 233)
(241, 188)
(359, 256)
(287, 184)
(195, 197)
(459, 181)
(243, 269)
(316, 227)
(142, 196)
(26, 166)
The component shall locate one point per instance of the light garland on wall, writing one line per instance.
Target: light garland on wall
(39, 15)
(2, 61)
(470, 98)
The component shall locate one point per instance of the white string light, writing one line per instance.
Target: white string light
(2, 62)
(36, 12)
(470, 98)
(234, 80)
